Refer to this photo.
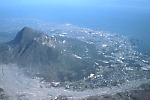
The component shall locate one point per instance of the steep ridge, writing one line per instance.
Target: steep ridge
(53, 58)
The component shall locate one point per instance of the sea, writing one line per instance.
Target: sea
(120, 17)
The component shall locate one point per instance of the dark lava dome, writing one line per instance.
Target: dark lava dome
(53, 58)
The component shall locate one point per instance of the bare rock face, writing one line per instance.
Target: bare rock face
(2, 95)
(53, 58)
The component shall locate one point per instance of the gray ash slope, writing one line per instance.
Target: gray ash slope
(49, 57)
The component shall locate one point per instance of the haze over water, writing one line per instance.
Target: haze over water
(130, 18)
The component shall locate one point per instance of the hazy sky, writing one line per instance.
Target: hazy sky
(105, 3)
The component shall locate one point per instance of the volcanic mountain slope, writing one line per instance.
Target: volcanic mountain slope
(54, 58)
